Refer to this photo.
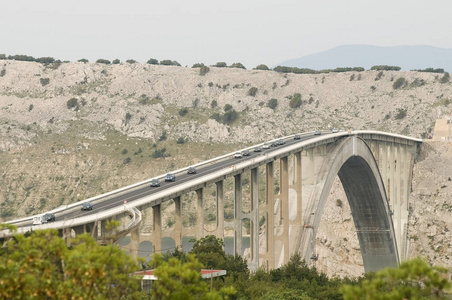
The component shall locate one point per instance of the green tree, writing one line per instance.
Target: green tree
(203, 70)
(153, 61)
(399, 83)
(252, 91)
(445, 78)
(182, 280)
(131, 61)
(262, 67)
(83, 60)
(103, 61)
(221, 64)
(237, 65)
(116, 61)
(414, 279)
(40, 266)
(71, 103)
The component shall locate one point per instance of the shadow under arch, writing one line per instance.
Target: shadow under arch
(353, 161)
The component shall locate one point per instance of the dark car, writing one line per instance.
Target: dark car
(296, 137)
(274, 144)
(49, 217)
(87, 206)
(246, 153)
(170, 177)
(281, 142)
(191, 170)
(257, 149)
(155, 182)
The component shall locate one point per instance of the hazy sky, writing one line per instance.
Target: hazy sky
(251, 32)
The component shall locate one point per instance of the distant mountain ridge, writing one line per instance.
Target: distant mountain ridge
(366, 56)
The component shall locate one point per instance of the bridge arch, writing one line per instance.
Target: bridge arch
(352, 160)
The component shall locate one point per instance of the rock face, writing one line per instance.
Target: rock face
(75, 131)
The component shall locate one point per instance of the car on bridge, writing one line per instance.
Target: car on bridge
(266, 146)
(317, 132)
(191, 170)
(257, 149)
(296, 137)
(281, 142)
(87, 206)
(155, 182)
(335, 130)
(49, 217)
(170, 177)
(38, 220)
(238, 154)
(246, 153)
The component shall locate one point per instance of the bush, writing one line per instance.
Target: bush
(252, 91)
(163, 137)
(71, 103)
(445, 78)
(2, 56)
(227, 107)
(262, 67)
(103, 61)
(45, 60)
(203, 70)
(237, 65)
(220, 65)
(168, 62)
(116, 61)
(153, 61)
(431, 70)
(216, 117)
(21, 57)
(197, 65)
(385, 68)
(127, 160)
(272, 103)
(181, 140)
(128, 117)
(401, 113)
(44, 81)
(83, 60)
(30, 108)
(131, 61)
(399, 83)
(183, 112)
(2, 72)
(230, 116)
(214, 104)
(160, 153)
(296, 101)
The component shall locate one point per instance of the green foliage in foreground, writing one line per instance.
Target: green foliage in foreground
(414, 279)
(40, 266)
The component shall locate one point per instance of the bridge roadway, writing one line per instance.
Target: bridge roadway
(181, 178)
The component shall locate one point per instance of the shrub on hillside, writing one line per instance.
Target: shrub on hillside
(116, 61)
(262, 67)
(153, 61)
(183, 112)
(385, 68)
(296, 101)
(2, 56)
(431, 70)
(401, 113)
(21, 57)
(44, 81)
(203, 70)
(237, 65)
(83, 60)
(71, 103)
(272, 103)
(103, 61)
(131, 61)
(168, 62)
(230, 116)
(221, 64)
(252, 91)
(227, 107)
(445, 78)
(399, 83)
(45, 60)
(214, 104)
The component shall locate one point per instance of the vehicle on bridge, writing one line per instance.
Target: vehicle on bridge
(296, 137)
(170, 177)
(317, 132)
(281, 142)
(257, 149)
(246, 153)
(155, 182)
(191, 170)
(238, 154)
(266, 146)
(38, 220)
(49, 217)
(87, 206)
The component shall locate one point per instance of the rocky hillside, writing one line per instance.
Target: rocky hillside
(77, 130)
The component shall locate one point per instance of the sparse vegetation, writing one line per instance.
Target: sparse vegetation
(44, 81)
(252, 91)
(262, 67)
(272, 103)
(237, 65)
(103, 61)
(220, 64)
(153, 61)
(295, 101)
(71, 103)
(401, 113)
(399, 83)
(385, 68)
(445, 78)
(183, 111)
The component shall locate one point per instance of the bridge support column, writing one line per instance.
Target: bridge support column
(134, 242)
(254, 220)
(178, 222)
(310, 154)
(200, 212)
(297, 222)
(238, 214)
(220, 209)
(269, 217)
(157, 234)
(284, 202)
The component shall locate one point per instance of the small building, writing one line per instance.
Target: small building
(149, 277)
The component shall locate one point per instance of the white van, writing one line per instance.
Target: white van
(38, 220)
